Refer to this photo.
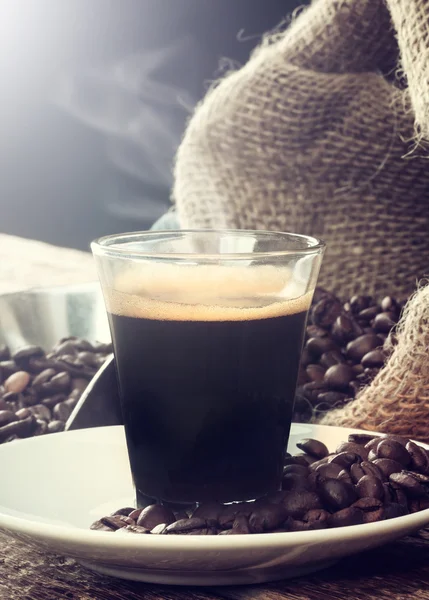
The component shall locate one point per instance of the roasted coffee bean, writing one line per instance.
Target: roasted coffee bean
(368, 314)
(339, 376)
(317, 463)
(309, 460)
(345, 459)
(312, 390)
(357, 349)
(315, 331)
(418, 504)
(56, 426)
(393, 510)
(295, 460)
(409, 484)
(353, 448)
(209, 510)
(100, 526)
(17, 382)
(384, 322)
(318, 518)
(319, 345)
(296, 482)
(7, 416)
(23, 413)
(390, 448)
(155, 514)
(419, 457)
(337, 494)
(133, 529)
(345, 329)
(372, 509)
(370, 468)
(332, 398)
(135, 513)
(267, 517)
(7, 368)
(240, 526)
(51, 401)
(23, 355)
(372, 444)
(298, 503)
(41, 427)
(345, 476)
(116, 522)
(369, 486)
(230, 511)
(358, 303)
(187, 526)
(315, 372)
(61, 411)
(23, 428)
(296, 525)
(346, 517)
(41, 412)
(356, 472)
(328, 471)
(60, 382)
(43, 377)
(419, 476)
(297, 469)
(331, 358)
(125, 512)
(326, 311)
(360, 438)
(314, 448)
(375, 358)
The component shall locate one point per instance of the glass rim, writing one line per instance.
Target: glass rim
(110, 245)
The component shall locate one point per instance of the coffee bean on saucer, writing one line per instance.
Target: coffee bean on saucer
(369, 486)
(267, 517)
(210, 510)
(6, 416)
(390, 448)
(133, 529)
(125, 512)
(154, 515)
(337, 494)
(187, 526)
(372, 509)
(17, 382)
(346, 517)
(240, 526)
(409, 484)
(419, 457)
(314, 448)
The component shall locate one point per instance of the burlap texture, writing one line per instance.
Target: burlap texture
(315, 135)
(397, 401)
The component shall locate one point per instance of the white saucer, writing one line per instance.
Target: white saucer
(53, 487)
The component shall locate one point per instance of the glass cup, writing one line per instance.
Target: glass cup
(207, 329)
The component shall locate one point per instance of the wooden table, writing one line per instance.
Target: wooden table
(399, 571)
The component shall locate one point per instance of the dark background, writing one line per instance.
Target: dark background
(88, 125)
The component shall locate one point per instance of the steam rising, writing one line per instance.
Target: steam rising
(142, 118)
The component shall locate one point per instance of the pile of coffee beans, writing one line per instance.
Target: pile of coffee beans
(343, 351)
(38, 391)
(369, 478)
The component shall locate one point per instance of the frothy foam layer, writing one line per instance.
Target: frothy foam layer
(206, 293)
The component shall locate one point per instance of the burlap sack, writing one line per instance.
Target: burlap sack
(316, 134)
(397, 401)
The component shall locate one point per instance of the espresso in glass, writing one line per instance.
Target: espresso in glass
(207, 360)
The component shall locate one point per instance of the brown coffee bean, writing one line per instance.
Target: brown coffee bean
(419, 457)
(17, 382)
(325, 312)
(7, 368)
(339, 376)
(60, 382)
(41, 412)
(331, 358)
(372, 444)
(346, 517)
(23, 428)
(6, 417)
(353, 448)
(418, 504)
(384, 322)
(313, 447)
(368, 314)
(328, 471)
(369, 486)
(186, 526)
(370, 468)
(356, 472)
(116, 522)
(51, 401)
(315, 372)
(154, 515)
(345, 329)
(315, 331)
(100, 526)
(357, 349)
(389, 448)
(267, 517)
(296, 482)
(61, 411)
(375, 358)
(239, 527)
(345, 459)
(409, 484)
(337, 494)
(55, 426)
(43, 377)
(209, 510)
(372, 509)
(4, 352)
(312, 390)
(318, 518)
(393, 510)
(332, 399)
(360, 438)
(23, 355)
(22, 413)
(295, 460)
(297, 469)
(125, 512)
(298, 503)
(319, 345)
(41, 428)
